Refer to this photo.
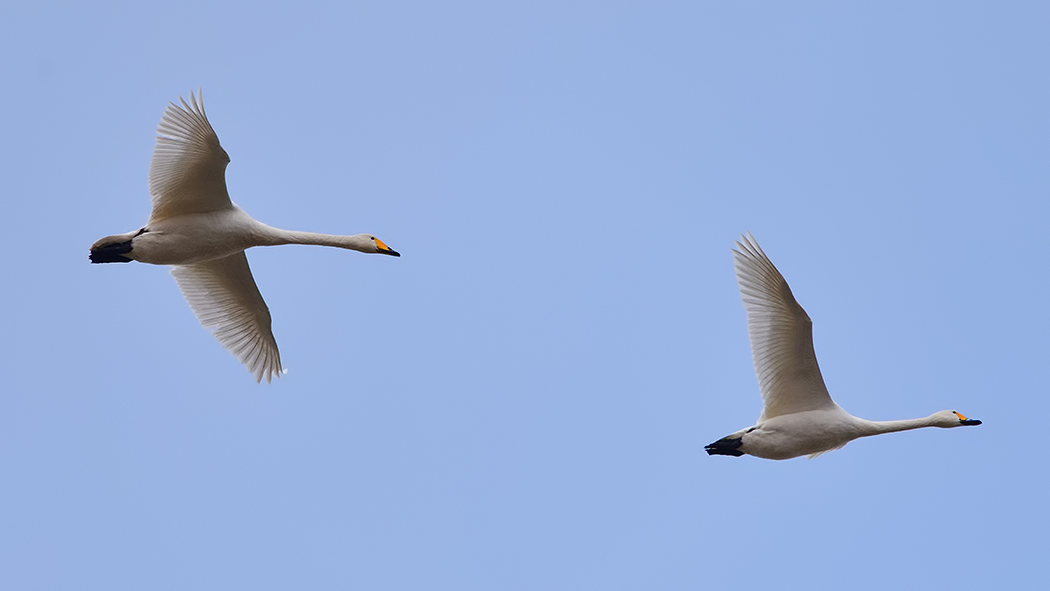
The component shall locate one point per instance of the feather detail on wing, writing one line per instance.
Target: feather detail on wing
(813, 455)
(781, 336)
(224, 297)
(188, 171)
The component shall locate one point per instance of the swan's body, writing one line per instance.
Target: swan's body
(197, 229)
(798, 417)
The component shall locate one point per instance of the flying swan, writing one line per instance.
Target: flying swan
(195, 228)
(798, 417)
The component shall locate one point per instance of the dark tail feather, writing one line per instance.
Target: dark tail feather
(726, 446)
(111, 253)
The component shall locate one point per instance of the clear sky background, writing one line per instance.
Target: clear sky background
(522, 399)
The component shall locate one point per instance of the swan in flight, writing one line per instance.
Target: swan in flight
(195, 228)
(798, 417)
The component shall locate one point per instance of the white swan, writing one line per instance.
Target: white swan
(197, 229)
(799, 417)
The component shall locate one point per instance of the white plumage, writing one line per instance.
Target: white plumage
(197, 229)
(798, 415)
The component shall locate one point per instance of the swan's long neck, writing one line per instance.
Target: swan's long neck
(880, 427)
(276, 236)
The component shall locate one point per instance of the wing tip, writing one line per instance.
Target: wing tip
(747, 245)
(269, 373)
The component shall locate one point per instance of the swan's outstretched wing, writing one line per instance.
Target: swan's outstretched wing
(188, 171)
(223, 295)
(781, 336)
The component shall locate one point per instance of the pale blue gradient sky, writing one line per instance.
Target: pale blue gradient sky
(521, 401)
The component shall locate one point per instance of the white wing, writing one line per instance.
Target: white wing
(223, 295)
(188, 171)
(781, 336)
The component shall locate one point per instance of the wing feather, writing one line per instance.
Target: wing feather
(188, 171)
(781, 336)
(224, 297)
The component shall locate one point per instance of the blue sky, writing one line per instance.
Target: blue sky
(522, 399)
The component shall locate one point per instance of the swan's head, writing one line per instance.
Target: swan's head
(951, 418)
(377, 246)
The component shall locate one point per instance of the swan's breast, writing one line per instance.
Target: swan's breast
(195, 238)
(799, 434)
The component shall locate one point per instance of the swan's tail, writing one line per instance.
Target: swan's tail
(111, 253)
(112, 249)
(726, 446)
